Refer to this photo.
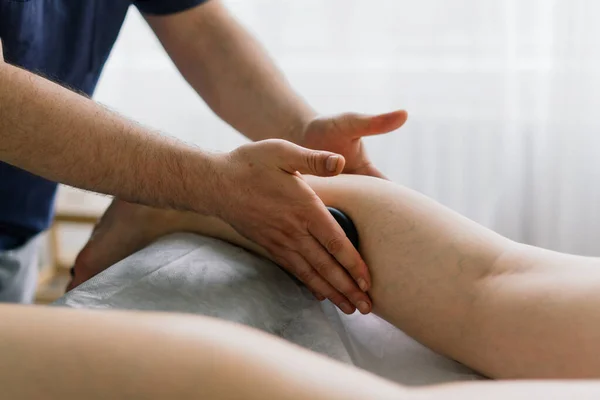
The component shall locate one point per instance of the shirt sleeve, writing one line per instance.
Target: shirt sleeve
(164, 7)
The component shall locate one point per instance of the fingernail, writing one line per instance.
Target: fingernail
(347, 308)
(332, 163)
(319, 297)
(363, 307)
(362, 284)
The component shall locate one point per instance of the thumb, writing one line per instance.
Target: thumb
(314, 162)
(359, 125)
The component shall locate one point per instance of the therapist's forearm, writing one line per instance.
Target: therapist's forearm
(233, 73)
(62, 136)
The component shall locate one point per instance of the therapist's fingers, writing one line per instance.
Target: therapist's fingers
(318, 296)
(297, 265)
(337, 277)
(333, 238)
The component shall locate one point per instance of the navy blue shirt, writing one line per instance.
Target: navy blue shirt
(67, 41)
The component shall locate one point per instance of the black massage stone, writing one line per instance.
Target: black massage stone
(346, 224)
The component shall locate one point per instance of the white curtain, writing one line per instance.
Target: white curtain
(502, 97)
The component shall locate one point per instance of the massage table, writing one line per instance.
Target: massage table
(199, 275)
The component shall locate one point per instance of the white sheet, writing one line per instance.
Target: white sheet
(194, 274)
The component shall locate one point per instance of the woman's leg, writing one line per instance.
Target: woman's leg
(504, 309)
(51, 353)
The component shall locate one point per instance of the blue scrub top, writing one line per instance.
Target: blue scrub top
(67, 41)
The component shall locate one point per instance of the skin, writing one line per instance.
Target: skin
(235, 76)
(55, 133)
(70, 139)
(107, 355)
(121, 158)
(113, 355)
(502, 308)
(232, 72)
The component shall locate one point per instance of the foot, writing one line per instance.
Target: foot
(123, 229)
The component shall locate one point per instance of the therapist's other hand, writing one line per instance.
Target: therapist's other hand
(266, 200)
(342, 134)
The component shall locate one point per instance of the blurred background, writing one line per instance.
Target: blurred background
(503, 100)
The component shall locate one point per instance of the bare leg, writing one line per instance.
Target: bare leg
(504, 309)
(123, 229)
(75, 354)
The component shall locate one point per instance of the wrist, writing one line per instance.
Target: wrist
(297, 130)
(202, 175)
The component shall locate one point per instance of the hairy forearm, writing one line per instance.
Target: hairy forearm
(62, 136)
(232, 72)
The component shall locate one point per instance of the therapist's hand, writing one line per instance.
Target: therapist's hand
(342, 134)
(264, 197)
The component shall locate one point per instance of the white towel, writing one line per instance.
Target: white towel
(194, 274)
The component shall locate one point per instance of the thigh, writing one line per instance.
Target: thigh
(425, 260)
(502, 308)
